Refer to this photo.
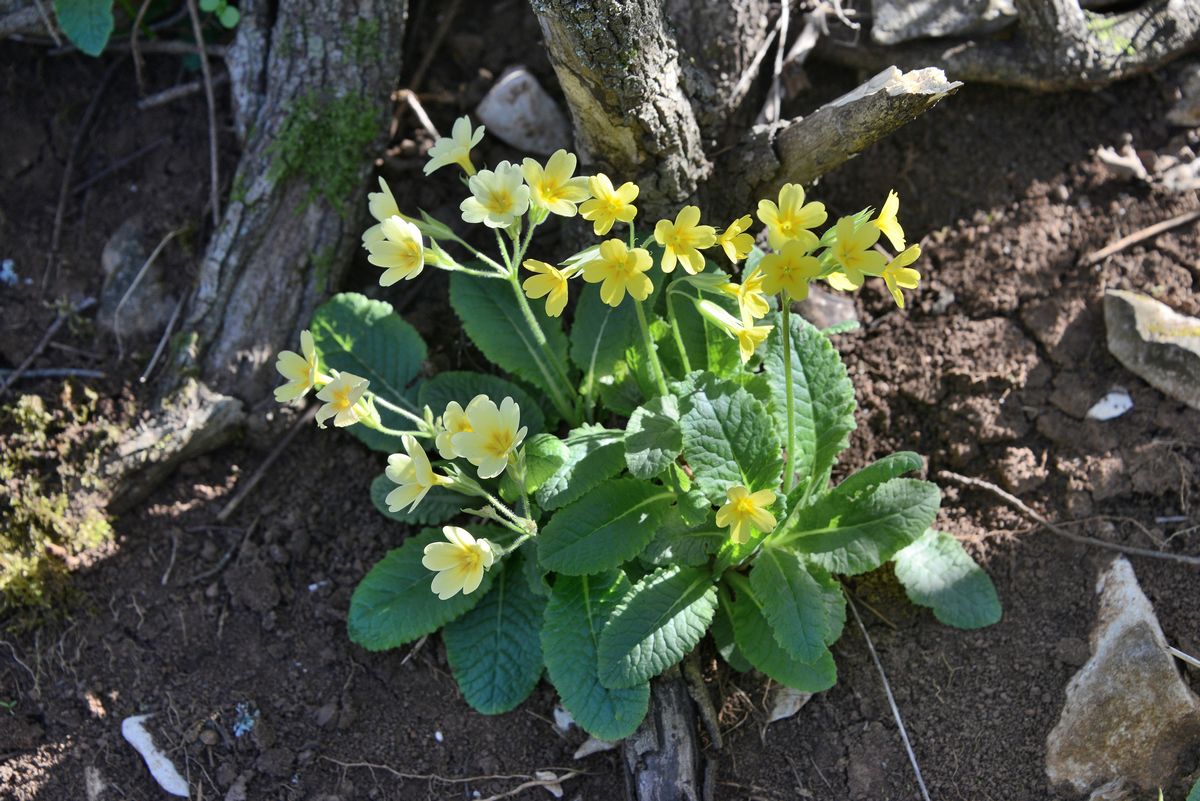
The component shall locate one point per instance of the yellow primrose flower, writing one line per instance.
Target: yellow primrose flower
(791, 270)
(737, 244)
(341, 396)
(621, 270)
(459, 563)
(453, 421)
(888, 223)
(791, 218)
(456, 148)
(300, 371)
(498, 197)
(398, 250)
(412, 471)
(550, 283)
(898, 275)
(608, 205)
(749, 336)
(555, 188)
(683, 239)
(752, 301)
(744, 511)
(382, 204)
(494, 436)
(854, 252)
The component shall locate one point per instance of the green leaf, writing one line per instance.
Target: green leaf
(578, 609)
(494, 322)
(365, 337)
(494, 650)
(708, 347)
(545, 454)
(796, 603)
(462, 386)
(677, 542)
(723, 638)
(595, 454)
(620, 393)
(439, 505)
(937, 572)
(822, 396)
(209, 6)
(877, 472)
(609, 525)
(655, 624)
(1194, 795)
(394, 604)
(728, 437)
(852, 536)
(653, 439)
(229, 17)
(87, 23)
(756, 640)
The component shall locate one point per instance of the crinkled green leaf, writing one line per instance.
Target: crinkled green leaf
(678, 542)
(394, 604)
(578, 609)
(728, 438)
(937, 572)
(848, 536)
(439, 505)
(655, 624)
(609, 525)
(822, 396)
(495, 650)
(653, 439)
(493, 320)
(596, 453)
(885, 469)
(756, 641)
(799, 605)
(545, 454)
(355, 334)
(463, 386)
(87, 23)
(723, 638)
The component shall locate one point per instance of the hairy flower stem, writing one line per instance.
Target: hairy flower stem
(683, 357)
(559, 379)
(789, 468)
(400, 410)
(655, 364)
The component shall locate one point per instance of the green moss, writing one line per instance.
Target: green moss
(324, 141)
(364, 42)
(50, 502)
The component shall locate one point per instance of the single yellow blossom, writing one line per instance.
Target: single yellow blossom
(412, 471)
(683, 240)
(748, 335)
(855, 254)
(621, 270)
(608, 205)
(342, 396)
(453, 421)
(888, 223)
(745, 510)
(791, 269)
(382, 204)
(550, 283)
(752, 301)
(494, 436)
(460, 563)
(300, 371)
(398, 250)
(456, 148)
(791, 218)
(735, 242)
(898, 275)
(554, 187)
(498, 197)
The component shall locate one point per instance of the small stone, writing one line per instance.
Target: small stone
(1128, 714)
(148, 307)
(209, 737)
(825, 309)
(519, 111)
(1061, 193)
(1156, 343)
(326, 715)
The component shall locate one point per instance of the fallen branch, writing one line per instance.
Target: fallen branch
(1020, 505)
(178, 92)
(1149, 232)
(51, 372)
(62, 317)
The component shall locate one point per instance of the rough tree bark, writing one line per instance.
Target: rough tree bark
(1057, 45)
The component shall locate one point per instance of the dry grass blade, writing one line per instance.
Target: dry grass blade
(1148, 232)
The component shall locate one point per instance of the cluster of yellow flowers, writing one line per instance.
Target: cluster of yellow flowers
(345, 394)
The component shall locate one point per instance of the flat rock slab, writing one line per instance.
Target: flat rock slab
(1155, 342)
(1128, 715)
(519, 111)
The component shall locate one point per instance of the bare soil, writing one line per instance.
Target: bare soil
(988, 374)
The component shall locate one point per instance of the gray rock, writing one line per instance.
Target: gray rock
(519, 111)
(1156, 343)
(148, 307)
(1128, 715)
(825, 309)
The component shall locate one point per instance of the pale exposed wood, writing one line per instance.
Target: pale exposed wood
(662, 758)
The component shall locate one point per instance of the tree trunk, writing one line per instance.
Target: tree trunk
(311, 85)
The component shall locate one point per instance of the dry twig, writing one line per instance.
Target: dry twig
(137, 279)
(434, 43)
(52, 372)
(210, 99)
(62, 317)
(162, 341)
(138, 63)
(1148, 232)
(252, 482)
(1020, 505)
(119, 164)
(178, 92)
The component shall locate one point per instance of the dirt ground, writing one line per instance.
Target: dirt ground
(989, 374)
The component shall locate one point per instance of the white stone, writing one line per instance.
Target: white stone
(161, 768)
(1111, 406)
(520, 112)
